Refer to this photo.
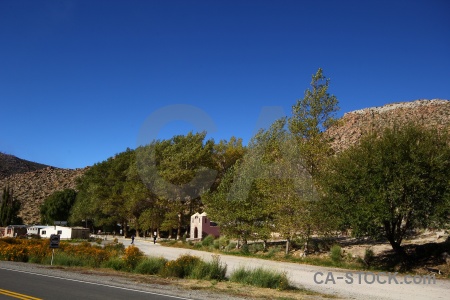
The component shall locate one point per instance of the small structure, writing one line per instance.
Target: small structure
(15, 231)
(65, 232)
(35, 229)
(201, 226)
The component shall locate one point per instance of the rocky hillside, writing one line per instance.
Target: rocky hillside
(430, 113)
(32, 188)
(9, 165)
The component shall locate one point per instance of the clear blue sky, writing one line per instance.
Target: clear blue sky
(78, 79)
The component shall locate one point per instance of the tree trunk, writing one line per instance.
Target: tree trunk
(179, 226)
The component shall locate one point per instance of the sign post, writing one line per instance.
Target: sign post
(54, 243)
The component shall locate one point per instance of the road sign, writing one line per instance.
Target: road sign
(54, 241)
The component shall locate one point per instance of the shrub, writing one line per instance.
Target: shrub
(65, 259)
(115, 249)
(213, 270)
(132, 256)
(208, 241)
(261, 277)
(245, 250)
(181, 267)
(230, 246)
(256, 247)
(369, 256)
(115, 263)
(151, 265)
(336, 254)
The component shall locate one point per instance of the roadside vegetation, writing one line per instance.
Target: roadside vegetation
(116, 257)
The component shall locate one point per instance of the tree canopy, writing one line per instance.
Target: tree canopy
(9, 209)
(57, 206)
(311, 116)
(390, 183)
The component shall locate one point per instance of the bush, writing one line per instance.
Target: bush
(245, 250)
(230, 246)
(151, 265)
(181, 267)
(261, 277)
(65, 259)
(208, 241)
(115, 249)
(369, 256)
(256, 247)
(336, 254)
(132, 256)
(115, 263)
(213, 270)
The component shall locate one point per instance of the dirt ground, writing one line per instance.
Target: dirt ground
(429, 251)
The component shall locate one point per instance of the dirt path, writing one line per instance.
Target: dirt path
(307, 276)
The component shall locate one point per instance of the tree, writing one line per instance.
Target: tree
(267, 191)
(311, 117)
(57, 206)
(178, 170)
(390, 183)
(102, 192)
(9, 209)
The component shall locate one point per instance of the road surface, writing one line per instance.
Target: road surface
(21, 284)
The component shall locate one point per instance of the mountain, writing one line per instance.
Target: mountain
(31, 183)
(9, 165)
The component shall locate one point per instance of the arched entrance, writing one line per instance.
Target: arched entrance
(195, 233)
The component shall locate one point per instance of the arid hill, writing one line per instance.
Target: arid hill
(430, 113)
(9, 165)
(32, 188)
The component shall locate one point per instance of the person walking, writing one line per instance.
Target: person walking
(154, 237)
(132, 239)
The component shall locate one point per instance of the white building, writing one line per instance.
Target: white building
(35, 229)
(65, 232)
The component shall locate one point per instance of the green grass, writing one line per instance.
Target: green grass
(115, 263)
(213, 270)
(261, 277)
(151, 265)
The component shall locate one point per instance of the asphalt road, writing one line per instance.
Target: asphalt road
(321, 279)
(33, 286)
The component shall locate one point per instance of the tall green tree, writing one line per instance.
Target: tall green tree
(390, 183)
(267, 191)
(9, 209)
(102, 192)
(57, 206)
(311, 117)
(179, 170)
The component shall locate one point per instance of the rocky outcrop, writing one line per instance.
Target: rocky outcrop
(353, 125)
(32, 188)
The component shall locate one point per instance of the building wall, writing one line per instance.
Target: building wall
(201, 227)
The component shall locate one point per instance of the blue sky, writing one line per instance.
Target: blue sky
(79, 80)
